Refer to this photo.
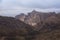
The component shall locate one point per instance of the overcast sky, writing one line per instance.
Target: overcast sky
(14, 7)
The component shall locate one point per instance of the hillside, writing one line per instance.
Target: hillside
(13, 29)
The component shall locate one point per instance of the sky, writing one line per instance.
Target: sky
(15, 7)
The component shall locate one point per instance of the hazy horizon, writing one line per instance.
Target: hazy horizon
(14, 7)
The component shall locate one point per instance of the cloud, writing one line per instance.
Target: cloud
(0, 1)
(33, 3)
(14, 7)
(39, 3)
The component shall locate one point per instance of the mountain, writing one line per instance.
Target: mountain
(47, 24)
(14, 29)
(35, 17)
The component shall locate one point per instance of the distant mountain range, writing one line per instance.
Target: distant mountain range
(35, 17)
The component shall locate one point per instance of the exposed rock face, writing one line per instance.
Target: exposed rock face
(32, 18)
(35, 17)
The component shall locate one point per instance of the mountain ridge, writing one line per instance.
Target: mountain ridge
(34, 17)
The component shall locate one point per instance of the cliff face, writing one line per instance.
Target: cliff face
(35, 17)
(32, 18)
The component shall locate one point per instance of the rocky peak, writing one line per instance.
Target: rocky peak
(35, 17)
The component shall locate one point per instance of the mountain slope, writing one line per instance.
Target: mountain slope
(13, 29)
